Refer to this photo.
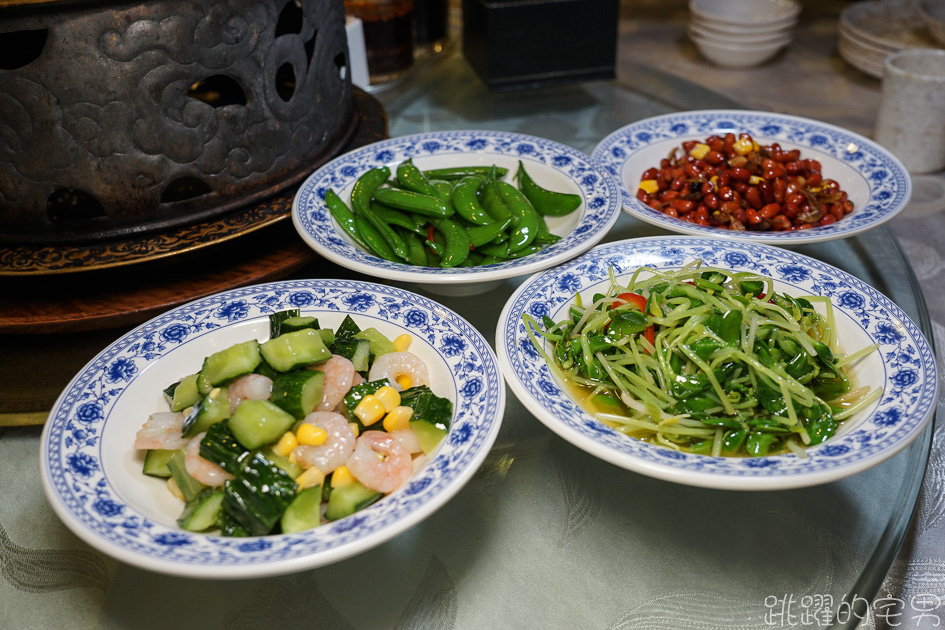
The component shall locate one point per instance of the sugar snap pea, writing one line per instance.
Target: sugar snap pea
(457, 242)
(546, 202)
(444, 190)
(365, 186)
(491, 200)
(459, 172)
(416, 251)
(480, 235)
(413, 202)
(374, 240)
(524, 218)
(343, 215)
(466, 201)
(412, 178)
(393, 216)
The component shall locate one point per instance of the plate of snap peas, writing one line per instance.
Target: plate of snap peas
(457, 211)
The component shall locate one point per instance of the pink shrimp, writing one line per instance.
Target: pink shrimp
(339, 376)
(379, 462)
(336, 449)
(248, 387)
(162, 431)
(204, 471)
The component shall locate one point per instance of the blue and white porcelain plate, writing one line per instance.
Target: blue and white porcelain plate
(92, 475)
(550, 164)
(903, 367)
(875, 180)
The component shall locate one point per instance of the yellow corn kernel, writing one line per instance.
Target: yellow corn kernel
(404, 381)
(341, 477)
(174, 488)
(286, 444)
(311, 477)
(402, 342)
(388, 396)
(754, 180)
(354, 428)
(743, 146)
(650, 186)
(310, 435)
(369, 410)
(398, 418)
(700, 151)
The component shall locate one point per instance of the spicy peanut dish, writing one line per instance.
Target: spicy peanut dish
(735, 183)
(309, 426)
(705, 360)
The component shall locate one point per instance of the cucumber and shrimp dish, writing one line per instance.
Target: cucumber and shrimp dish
(705, 360)
(306, 427)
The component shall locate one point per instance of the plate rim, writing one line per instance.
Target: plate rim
(432, 275)
(51, 451)
(840, 229)
(702, 479)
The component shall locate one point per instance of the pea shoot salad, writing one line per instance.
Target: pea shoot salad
(706, 360)
(309, 426)
(449, 217)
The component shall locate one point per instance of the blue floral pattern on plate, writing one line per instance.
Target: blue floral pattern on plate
(882, 182)
(906, 371)
(599, 212)
(81, 477)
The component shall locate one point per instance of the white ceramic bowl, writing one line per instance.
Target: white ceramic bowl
(738, 55)
(876, 181)
(903, 367)
(697, 30)
(551, 164)
(746, 12)
(92, 474)
(721, 27)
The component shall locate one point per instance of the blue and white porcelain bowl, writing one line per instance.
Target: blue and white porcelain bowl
(550, 164)
(92, 474)
(903, 367)
(875, 180)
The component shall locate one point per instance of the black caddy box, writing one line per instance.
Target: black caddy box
(515, 44)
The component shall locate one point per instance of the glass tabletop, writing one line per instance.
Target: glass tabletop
(545, 535)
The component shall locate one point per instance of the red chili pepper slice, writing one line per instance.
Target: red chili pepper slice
(649, 333)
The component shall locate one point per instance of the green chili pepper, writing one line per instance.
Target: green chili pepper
(413, 202)
(459, 172)
(546, 202)
(730, 329)
(466, 201)
(411, 178)
(734, 440)
(524, 218)
(343, 215)
(457, 242)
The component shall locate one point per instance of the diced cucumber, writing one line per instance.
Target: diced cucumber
(236, 360)
(304, 512)
(211, 409)
(298, 392)
(295, 350)
(203, 512)
(426, 405)
(358, 351)
(189, 487)
(348, 328)
(346, 500)
(328, 335)
(298, 323)
(428, 435)
(276, 319)
(219, 447)
(291, 468)
(230, 527)
(379, 343)
(155, 462)
(256, 423)
(258, 496)
(188, 391)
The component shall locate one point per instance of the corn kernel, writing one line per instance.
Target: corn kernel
(402, 342)
(743, 146)
(354, 428)
(174, 488)
(398, 418)
(404, 381)
(341, 477)
(286, 444)
(388, 396)
(754, 180)
(700, 151)
(369, 410)
(311, 477)
(650, 186)
(311, 435)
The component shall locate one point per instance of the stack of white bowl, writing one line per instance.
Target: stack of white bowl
(741, 33)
